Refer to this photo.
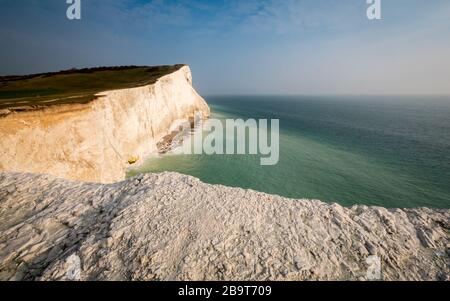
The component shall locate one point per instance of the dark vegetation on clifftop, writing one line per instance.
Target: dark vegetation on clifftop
(27, 92)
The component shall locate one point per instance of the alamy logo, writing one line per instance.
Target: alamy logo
(373, 268)
(74, 10)
(233, 137)
(374, 10)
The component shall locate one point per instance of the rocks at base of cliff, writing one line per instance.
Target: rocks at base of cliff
(4, 112)
(173, 139)
(173, 227)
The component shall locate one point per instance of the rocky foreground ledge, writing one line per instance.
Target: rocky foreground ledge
(173, 227)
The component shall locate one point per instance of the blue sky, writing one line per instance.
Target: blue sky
(242, 47)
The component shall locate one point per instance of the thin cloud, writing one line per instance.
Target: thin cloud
(235, 46)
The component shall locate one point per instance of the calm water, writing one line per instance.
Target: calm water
(388, 151)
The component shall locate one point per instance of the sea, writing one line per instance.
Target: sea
(390, 151)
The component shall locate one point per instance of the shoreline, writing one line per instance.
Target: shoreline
(177, 133)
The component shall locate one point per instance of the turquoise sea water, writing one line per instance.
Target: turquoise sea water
(387, 151)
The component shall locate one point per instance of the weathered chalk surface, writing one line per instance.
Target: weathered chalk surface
(173, 227)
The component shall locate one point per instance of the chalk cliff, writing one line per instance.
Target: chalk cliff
(94, 141)
(173, 227)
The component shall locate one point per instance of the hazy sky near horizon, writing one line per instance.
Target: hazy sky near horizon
(241, 47)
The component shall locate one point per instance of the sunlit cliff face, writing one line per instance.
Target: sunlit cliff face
(96, 141)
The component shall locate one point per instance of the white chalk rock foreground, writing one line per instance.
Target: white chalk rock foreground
(173, 227)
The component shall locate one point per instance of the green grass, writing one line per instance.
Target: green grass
(73, 86)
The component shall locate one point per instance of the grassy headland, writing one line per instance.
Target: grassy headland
(25, 92)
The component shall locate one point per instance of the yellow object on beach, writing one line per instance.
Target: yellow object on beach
(133, 160)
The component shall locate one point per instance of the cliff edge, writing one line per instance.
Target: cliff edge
(95, 141)
(173, 227)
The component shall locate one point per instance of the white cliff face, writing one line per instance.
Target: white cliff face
(93, 142)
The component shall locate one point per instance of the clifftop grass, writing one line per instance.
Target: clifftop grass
(27, 92)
